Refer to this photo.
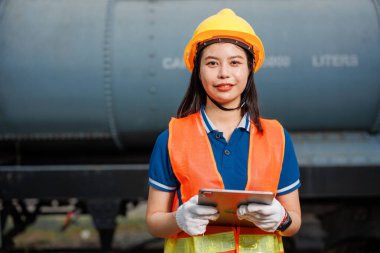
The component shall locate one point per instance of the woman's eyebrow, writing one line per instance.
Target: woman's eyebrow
(231, 57)
(236, 56)
(211, 57)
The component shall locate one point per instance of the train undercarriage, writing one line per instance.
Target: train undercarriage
(340, 214)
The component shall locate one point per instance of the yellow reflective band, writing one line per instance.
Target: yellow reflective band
(260, 244)
(221, 242)
(180, 245)
(202, 244)
(215, 242)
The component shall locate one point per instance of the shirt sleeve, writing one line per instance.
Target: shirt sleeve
(160, 173)
(290, 174)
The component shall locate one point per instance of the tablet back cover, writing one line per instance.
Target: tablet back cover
(227, 202)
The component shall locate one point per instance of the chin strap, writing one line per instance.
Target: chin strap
(224, 108)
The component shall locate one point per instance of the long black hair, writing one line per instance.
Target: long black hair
(196, 96)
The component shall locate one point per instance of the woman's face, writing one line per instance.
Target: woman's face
(224, 73)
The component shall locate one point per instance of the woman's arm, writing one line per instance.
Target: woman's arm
(159, 218)
(291, 203)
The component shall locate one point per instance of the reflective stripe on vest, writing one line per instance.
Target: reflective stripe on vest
(225, 242)
(194, 166)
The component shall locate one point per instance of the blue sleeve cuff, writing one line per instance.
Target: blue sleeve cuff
(161, 175)
(161, 187)
(289, 188)
(290, 174)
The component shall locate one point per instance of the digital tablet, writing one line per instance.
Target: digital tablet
(228, 201)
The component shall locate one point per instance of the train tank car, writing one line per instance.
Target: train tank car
(86, 86)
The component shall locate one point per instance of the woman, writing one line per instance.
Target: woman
(219, 141)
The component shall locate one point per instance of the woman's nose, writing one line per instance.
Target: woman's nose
(223, 72)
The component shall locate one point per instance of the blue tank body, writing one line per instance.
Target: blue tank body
(111, 69)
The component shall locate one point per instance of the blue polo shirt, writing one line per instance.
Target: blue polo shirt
(231, 159)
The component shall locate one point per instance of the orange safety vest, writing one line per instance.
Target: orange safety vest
(194, 166)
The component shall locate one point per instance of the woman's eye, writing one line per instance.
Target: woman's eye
(211, 63)
(235, 62)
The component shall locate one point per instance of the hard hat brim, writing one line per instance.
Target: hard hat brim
(252, 40)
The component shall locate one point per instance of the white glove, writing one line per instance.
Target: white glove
(266, 217)
(193, 218)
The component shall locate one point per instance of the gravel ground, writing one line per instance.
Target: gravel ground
(47, 232)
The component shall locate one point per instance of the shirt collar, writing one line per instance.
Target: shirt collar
(209, 126)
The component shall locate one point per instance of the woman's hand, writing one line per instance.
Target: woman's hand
(266, 217)
(193, 218)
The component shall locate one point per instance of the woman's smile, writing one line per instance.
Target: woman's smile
(224, 87)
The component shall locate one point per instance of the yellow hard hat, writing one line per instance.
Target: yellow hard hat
(225, 24)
